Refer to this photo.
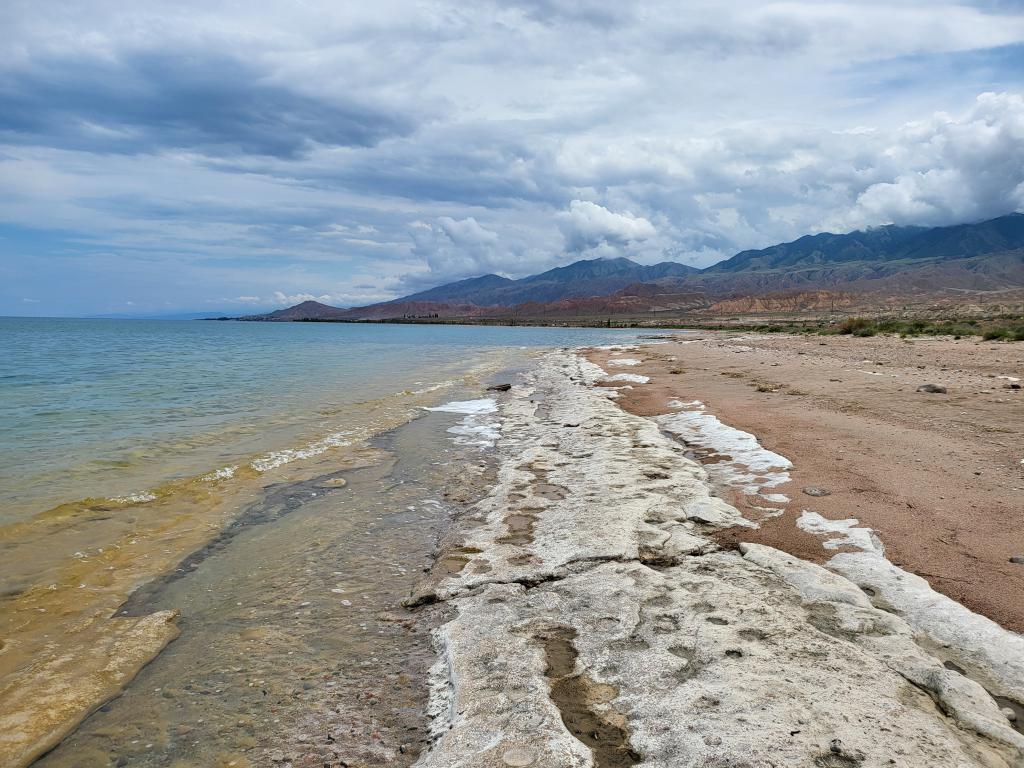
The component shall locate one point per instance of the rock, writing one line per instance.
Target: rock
(603, 614)
(518, 757)
(499, 388)
(1010, 714)
(1013, 385)
(1017, 559)
(932, 388)
(813, 490)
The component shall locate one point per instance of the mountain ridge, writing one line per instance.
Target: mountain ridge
(983, 256)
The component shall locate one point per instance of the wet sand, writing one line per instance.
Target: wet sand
(938, 476)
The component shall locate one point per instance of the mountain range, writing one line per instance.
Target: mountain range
(967, 262)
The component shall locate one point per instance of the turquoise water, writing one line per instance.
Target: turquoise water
(102, 408)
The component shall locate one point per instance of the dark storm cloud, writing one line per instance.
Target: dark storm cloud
(145, 101)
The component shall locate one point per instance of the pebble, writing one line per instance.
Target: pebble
(1010, 714)
(813, 490)
(932, 388)
(1017, 559)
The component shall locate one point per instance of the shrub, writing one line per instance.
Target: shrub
(853, 324)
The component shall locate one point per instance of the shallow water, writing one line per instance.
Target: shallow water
(114, 408)
(130, 428)
(294, 649)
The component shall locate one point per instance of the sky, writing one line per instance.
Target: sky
(237, 157)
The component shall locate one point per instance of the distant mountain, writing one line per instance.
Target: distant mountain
(475, 290)
(889, 243)
(307, 310)
(983, 258)
(590, 277)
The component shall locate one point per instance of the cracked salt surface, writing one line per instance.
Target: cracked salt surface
(594, 535)
(990, 654)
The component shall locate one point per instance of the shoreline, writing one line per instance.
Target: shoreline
(936, 476)
(76, 631)
(599, 615)
(597, 577)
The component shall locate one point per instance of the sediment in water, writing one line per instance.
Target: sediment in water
(70, 641)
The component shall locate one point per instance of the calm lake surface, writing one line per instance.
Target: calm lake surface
(115, 408)
(280, 487)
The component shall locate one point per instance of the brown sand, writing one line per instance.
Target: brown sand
(939, 477)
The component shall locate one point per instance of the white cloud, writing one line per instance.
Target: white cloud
(489, 137)
(950, 168)
(587, 225)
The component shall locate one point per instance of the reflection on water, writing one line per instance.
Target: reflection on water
(293, 648)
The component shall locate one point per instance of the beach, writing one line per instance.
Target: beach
(701, 548)
(937, 476)
(206, 527)
(616, 605)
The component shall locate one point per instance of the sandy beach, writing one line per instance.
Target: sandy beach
(938, 476)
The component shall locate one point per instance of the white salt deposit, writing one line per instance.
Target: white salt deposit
(633, 377)
(479, 428)
(748, 466)
(846, 532)
(988, 653)
(625, 361)
(693, 405)
(483, 405)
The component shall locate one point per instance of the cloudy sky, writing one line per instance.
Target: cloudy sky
(161, 157)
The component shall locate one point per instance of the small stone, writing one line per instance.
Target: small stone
(1013, 385)
(518, 756)
(1017, 559)
(499, 388)
(813, 490)
(1010, 714)
(932, 388)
